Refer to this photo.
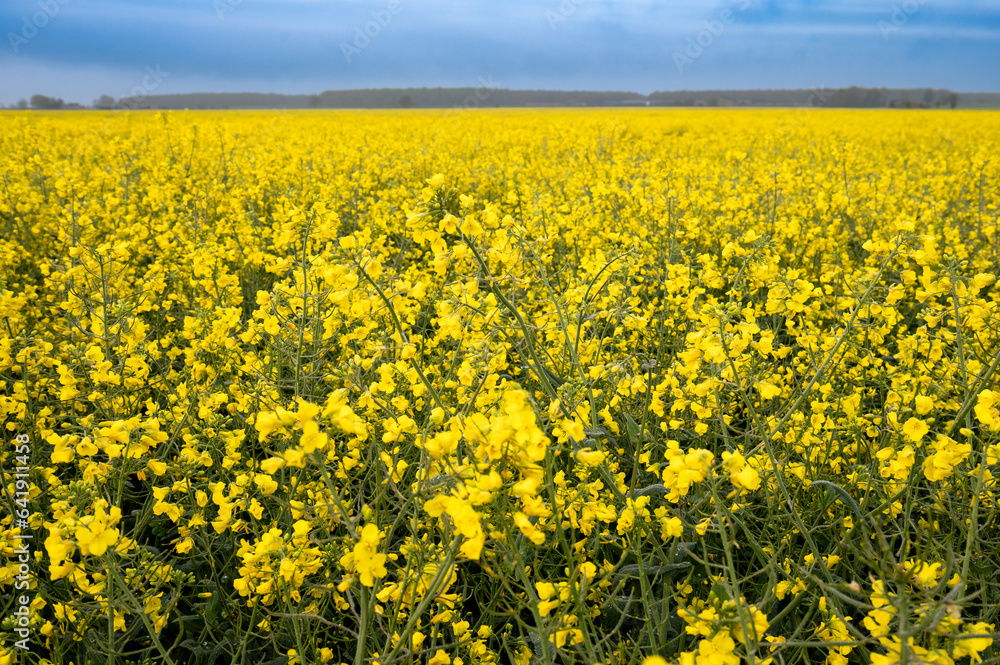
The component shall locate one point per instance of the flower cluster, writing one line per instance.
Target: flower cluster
(503, 387)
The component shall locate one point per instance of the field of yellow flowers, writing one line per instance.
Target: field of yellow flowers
(502, 387)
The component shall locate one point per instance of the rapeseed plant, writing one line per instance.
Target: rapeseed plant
(588, 386)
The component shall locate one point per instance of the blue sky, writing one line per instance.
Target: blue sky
(80, 49)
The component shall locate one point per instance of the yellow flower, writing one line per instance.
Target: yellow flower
(972, 646)
(266, 423)
(58, 548)
(672, 527)
(758, 625)
(948, 453)
(87, 448)
(924, 405)
(717, 651)
(986, 409)
(439, 658)
(746, 479)
(530, 531)
(768, 390)
(877, 621)
(365, 559)
(922, 573)
(915, 429)
(271, 465)
(265, 482)
(471, 227)
(98, 536)
(590, 457)
(545, 590)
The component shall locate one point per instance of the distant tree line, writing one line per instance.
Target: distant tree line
(853, 97)
(489, 94)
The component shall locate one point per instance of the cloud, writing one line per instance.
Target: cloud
(297, 45)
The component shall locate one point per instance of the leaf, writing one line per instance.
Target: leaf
(719, 591)
(655, 488)
(633, 429)
(280, 660)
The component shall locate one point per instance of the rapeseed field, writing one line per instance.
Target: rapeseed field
(594, 386)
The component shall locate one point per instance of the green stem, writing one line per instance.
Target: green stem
(359, 652)
(528, 336)
(138, 608)
(402, 338)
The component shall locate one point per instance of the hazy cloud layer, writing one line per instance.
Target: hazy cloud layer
(79, 49)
